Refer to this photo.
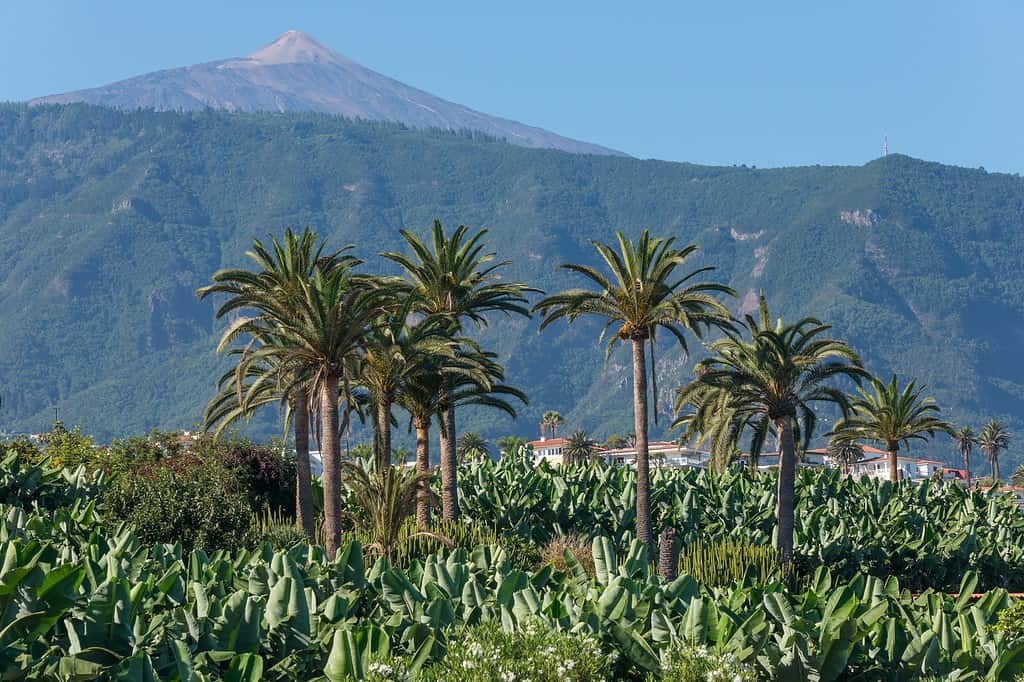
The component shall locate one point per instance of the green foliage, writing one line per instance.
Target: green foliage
(155, 201)
(276, 529)
(534, 651)
(196, 503)
(682, 662)
(66, 448)
(927, 534)
(1011, 621)
(726, 562)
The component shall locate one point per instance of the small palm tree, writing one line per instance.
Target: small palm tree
(552, 420)
(964, 440)
(845, 452)
(579, 449)
(472, 445)
(993, 439)
(510, 445)
(769, 384)
(643, 291)
(387, 498)
(454, 277)
(892, 416)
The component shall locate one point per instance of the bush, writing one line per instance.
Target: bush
(553, 553)
(1011, 621)
(486, 653)
(69, 448)
(181, 500)
(263, 471)
(683, 662)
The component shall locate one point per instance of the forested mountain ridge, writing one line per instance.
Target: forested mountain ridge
(109, 220)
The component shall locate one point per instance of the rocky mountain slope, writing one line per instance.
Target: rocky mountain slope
(296, 73)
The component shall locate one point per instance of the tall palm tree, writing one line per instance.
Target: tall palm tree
(964, 440)
(455, 278)
(645, 289)
(323, 327)
(892, 416)
(769, 383)
(580, 448)
(552, 420)
(845, 451)
(280, 272)
(993, 439)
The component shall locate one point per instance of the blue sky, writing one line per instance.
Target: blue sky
(768, 84)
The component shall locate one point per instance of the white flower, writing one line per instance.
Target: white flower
(467, 665)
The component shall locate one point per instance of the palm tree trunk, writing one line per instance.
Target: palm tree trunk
(422, 465)
(668, 556)
(303, 474)
(894, 467)
(643, 466)
(967, 469)
(384, 434)
(449, 466)
(786, 490)
(332, 464)
(995, 467)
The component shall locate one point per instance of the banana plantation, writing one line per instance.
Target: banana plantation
(204, 556)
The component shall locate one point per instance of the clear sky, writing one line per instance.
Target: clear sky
(762, 83)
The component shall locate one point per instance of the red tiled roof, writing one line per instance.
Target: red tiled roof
(548, 443)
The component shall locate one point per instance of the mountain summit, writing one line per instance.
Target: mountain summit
(296, 73)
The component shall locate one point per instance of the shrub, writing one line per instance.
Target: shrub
(69, 448)
(181, 500)
(553, 552)
(536, 652)
(1011, 620)
(266, 473)
(683, 662)
(726, 562)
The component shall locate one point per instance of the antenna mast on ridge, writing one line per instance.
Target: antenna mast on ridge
(885, 144)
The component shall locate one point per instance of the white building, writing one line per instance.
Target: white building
(661, 454)
(548, 450)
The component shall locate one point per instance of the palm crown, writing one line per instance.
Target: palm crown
(892, 416)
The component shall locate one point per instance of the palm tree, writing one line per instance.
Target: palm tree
(453, 277)
(241, 391)
(580, 448)
(993, 439)
(472, 445)
(281, 271)
(551, 421)
(394, 351)
(846, 452)
(892, 416)
(644, 291)
(322, 326)
(510, 445)
(770, 383)
(472, 378)
(386, 497)
(964, 440)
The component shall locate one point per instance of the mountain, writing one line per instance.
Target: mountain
(109, 220)
(296, 73)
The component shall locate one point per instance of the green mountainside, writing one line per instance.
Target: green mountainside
(109, 220)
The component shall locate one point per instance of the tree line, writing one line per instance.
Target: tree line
(311, 332)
